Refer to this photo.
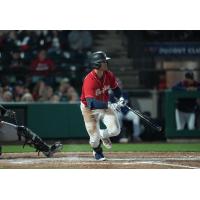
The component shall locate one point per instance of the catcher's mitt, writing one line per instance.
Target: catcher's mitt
(11, 114)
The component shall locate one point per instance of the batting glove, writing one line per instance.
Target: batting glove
(122, 102)
(115, 106)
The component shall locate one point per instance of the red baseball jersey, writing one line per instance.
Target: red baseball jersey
(93, 87)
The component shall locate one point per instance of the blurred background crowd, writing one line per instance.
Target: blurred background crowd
(39, 65)
(50, 65)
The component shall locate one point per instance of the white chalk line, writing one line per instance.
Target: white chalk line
(169, 164)
(113, 161)
(86, 159)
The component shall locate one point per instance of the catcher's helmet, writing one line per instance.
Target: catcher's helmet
(97, 58)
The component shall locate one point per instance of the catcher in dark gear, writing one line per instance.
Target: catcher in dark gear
(28, 136)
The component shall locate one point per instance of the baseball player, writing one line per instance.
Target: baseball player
(185, 107)
(30, 138)
(94, 104)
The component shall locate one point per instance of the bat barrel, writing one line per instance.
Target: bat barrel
(147, 120)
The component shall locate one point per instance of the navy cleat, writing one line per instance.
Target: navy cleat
(98, 156)
(98, 153)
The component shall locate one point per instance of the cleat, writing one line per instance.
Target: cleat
(107, 143)
(99, 156)
(53, 149)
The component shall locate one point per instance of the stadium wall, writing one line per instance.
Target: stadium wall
(50, 121)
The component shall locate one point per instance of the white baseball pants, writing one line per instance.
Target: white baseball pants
(92, 123)
(183, 118)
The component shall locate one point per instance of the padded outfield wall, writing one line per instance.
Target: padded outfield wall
(51, 121)
(64, 121)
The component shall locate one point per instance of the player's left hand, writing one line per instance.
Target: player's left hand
(117, 106)
(114, 106)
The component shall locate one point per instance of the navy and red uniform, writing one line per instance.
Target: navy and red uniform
(95, 88)
(186, 107)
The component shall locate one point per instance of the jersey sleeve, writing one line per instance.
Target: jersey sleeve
(113, 81)
(89, 89)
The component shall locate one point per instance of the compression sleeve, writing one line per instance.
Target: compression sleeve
(117, 92)
(96, 104)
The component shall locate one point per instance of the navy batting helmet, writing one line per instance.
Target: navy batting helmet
(97, 58)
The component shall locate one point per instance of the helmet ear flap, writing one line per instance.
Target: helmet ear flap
(97, 65)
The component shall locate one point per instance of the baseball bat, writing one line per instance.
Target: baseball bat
(146, 119)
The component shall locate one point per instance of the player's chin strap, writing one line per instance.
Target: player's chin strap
(33, 140)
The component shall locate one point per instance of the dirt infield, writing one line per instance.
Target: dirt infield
(114, 161)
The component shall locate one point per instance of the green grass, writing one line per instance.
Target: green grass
(152, 147)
